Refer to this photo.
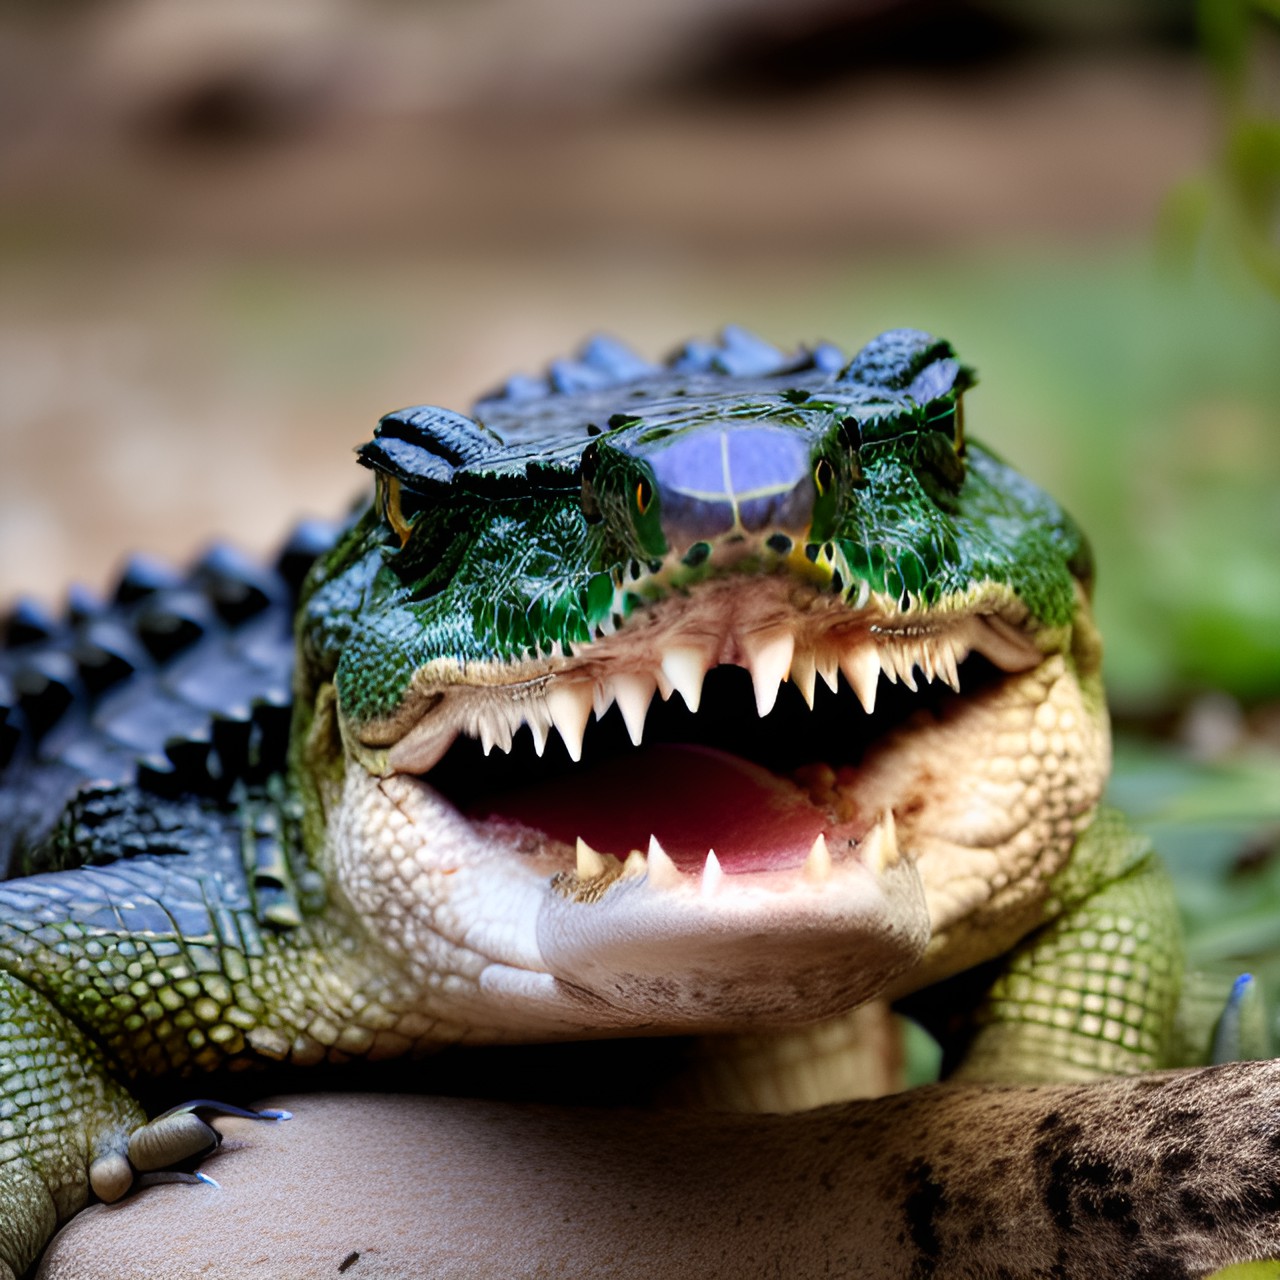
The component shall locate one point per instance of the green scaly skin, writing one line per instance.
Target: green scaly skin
(517, 566)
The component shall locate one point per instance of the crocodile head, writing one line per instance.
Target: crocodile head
(736, 692)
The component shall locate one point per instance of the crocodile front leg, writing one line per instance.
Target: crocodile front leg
(167, 963)
(66, 1124)
(1092, 993)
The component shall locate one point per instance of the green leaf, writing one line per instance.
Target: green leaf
(1224, 35)
(1249, 1271)
(1182, 221)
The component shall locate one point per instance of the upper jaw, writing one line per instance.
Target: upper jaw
(777, 629)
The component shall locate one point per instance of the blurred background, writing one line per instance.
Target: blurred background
(231, 235)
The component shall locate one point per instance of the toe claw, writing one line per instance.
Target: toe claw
(110, 1176)
(212, 1106)
(170, 1139)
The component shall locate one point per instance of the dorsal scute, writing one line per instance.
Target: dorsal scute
(893, 359)
(738, 354)
(425, 444)
(915, 374)
(531, 434)
(178, 682)
(603, 362)
(543, 420)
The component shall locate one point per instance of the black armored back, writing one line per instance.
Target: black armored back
(176, 683)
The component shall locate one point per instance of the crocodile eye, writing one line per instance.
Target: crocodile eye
(823, 477)
(391, 505)
(587, 471)
(590, 503)
(643, 496)
(950, 419)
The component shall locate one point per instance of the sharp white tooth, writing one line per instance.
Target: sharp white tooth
(904, 661)
(685, 667)
(926, 656)
(947, 668)
(569, 706)
(712, 873)
(495, 732)
(602, 698)
(861, 667)
(663, 873)
(894, 663)
(817, 866)
(828, 661)
(804, 672)
(769, 660)
(633, 691)
(880, 848)
(634, 866)
(590, 863)
(872, 852)
(538, 731)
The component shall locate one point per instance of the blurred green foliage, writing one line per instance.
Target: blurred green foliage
(1217, 827)
(1234, 210)
(1249, 1271)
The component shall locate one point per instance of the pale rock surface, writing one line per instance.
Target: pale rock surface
(947, 1180)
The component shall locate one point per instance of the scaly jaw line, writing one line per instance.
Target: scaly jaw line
(673, 656)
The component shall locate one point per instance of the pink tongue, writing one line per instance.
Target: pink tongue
(692, 798)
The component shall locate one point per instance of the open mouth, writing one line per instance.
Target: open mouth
(726, 736)
(753, 804)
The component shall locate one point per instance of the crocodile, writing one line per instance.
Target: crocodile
(721, 704)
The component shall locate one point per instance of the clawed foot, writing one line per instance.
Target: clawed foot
(169, 1140)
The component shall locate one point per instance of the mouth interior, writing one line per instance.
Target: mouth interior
(757, 790)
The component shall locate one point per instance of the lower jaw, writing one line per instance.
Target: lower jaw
(750, 788)
(692, 800)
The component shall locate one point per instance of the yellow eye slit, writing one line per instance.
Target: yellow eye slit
(644, 496)
(389, 502)
(822, 476)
